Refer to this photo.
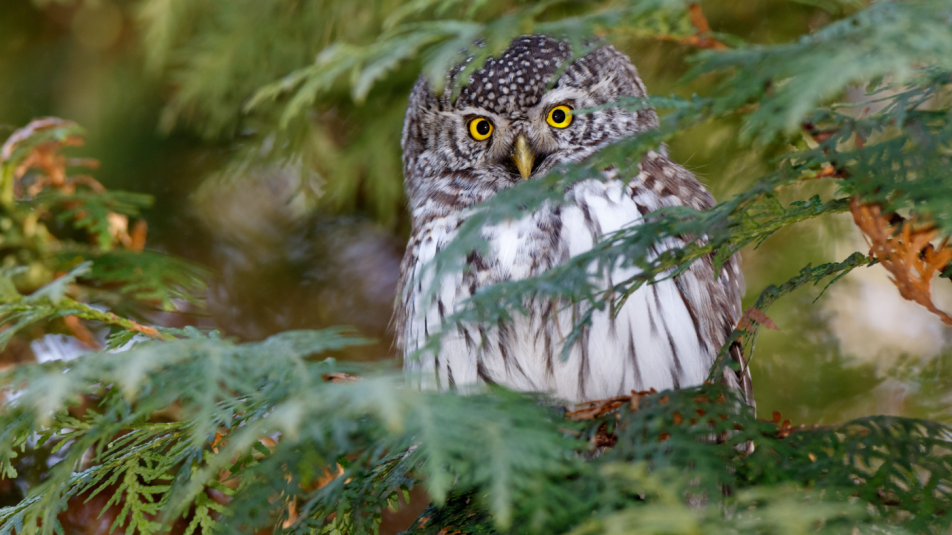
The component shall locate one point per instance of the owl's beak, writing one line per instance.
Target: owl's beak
(523, 156)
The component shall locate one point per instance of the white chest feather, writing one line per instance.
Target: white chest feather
(652, 342)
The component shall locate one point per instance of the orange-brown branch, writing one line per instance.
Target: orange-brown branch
(113, 319)
(702, 39)
(81, 332)
(902, 246)
(906, 251)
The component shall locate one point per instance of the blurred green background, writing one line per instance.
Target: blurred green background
(303, 227)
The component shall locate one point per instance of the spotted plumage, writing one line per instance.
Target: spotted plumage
(665, 335)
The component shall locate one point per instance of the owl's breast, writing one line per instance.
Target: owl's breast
(651, 341)
(519, 249)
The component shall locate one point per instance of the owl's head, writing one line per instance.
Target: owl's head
(512, 121)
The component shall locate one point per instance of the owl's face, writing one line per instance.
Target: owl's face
(507, 124)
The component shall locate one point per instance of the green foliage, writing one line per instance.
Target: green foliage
(52, 222)
(224, 437)
(512, 457)
(796, 481)
(931, 379)
(786, 86)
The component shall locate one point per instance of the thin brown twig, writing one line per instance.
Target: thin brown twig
(114, 319)
(694, 40)
(81, 332)
(589, 410)
(148, 331)
(700, 39)
(753, 315)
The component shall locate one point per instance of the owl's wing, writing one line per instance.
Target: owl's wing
(714, 300)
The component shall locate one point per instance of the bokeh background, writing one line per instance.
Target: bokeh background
(304, 227)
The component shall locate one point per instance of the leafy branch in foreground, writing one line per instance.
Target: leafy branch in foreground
(343, 451)
(67, 243)
(50, 302)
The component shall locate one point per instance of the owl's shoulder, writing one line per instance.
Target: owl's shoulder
(670, 182)
(662, 182)
(714, 294)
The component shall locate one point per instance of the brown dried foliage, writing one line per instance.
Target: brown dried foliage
(51, 173)
(46, 158)
(905, 249)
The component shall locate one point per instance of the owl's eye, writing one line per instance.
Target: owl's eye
(559, 116)
(480, 129)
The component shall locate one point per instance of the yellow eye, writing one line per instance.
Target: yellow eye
(559, 116)
(480, 129)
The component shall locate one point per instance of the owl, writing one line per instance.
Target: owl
(514, 120)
